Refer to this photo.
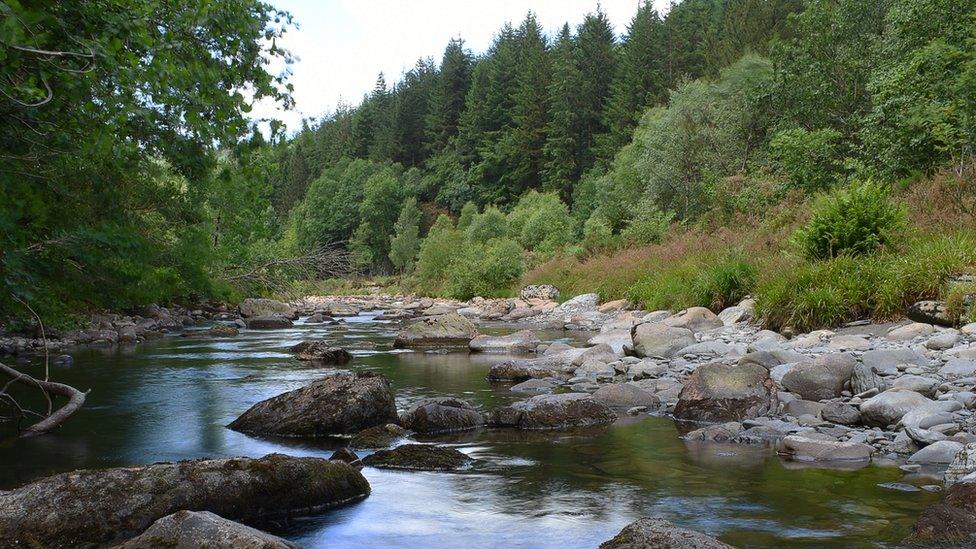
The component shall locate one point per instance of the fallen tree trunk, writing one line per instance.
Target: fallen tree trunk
(75, 398)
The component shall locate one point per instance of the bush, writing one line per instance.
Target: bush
(596, 235)
(724, 283)
(648, 224)
(488, 270)
(697, 281)
(810, 159)
(437, 254)
(856, 220)
(540, 221)
(487, 225)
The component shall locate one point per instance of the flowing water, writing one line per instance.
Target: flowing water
(170, 399)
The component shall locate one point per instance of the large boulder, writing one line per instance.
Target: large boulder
(540, 292)
(938, 453)
(379, 436)
(864, 379)
(522, 342)
(547, 412)
(618, 339)
(441, 415)
(321, 352)
(696, 319)
(800, 448)
(657, 339)
(931, 312)
(418, 457)
(889, 407)
(260, 306)
(450, 330)
(268, 322)
(657, 533)
(821, 379)
(718, 392)
(201, 530)
(335, 405)
(887, 360)
(625, 395)
(109, 506)
(949, 523)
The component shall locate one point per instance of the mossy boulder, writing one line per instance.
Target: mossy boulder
(321, 352)
(335, 405)
(719, 392)
(418, 457)
(188, 529)
(657, 533)
(441, 415)
(109, 506)
(949, 523)
(447, 330)
(380, 436)
(548, 412)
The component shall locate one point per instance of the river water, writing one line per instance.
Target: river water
(170, 398)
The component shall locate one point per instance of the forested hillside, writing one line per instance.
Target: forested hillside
(545, 152)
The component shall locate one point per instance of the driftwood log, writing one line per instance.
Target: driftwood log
(53, 418)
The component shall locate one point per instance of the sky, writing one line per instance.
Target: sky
(341, 45)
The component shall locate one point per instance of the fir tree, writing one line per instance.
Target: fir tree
(561, 148)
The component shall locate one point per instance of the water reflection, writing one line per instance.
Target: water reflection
(171, 398)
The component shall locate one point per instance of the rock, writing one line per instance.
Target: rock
(919, 384)
(943, 341)
(840, 413)
(849, 343)
(656, 339)
(937, 453)
(346, 455)
(321, 352)
(696, 319)
(712, 347)
(625, 395)
(439, 309)
(544, 292)
(450, 330)
(201, 530)
(522, 342)
(108, 506)
(719, 392)
(931, 312)
(523, 369)
(958, 367)
(539, 386)
(600, 353)
(546, 412)
(723, 432)
(887, 360)
(864, 379)
(963, 464)
(595, 369)
(950, 522)
(772, 358)
(342, 404)
(379, 436)
(269, 322)
(735, 314)
(618, 339)
(441, 415)
(611, 307)
(887, 408)
(801, 448)
(252, 307)
(800, 407)
(821, 379)
(910, 331)
(418, 457)
(969, 329)
(657, 533)
(577, 305)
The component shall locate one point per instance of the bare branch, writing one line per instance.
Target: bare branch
(76, 399)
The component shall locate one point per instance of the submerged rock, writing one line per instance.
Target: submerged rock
(107, 506)
(950, 522)
(522, 342)
(546, 412)
(346, 455)
(801, 448)
(657, 533)
(441, 415)
(447, 330)
(322, 352)
(418, 457)
(203, 529)
(342, 404)
(718, 392)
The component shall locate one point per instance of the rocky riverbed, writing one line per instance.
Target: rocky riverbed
(898, 394)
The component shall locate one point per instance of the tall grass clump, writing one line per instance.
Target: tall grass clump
(709, 281)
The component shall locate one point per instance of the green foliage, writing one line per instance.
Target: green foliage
(540, 221)
(648, 224)
(405, 242)
(487, 225)
(813, 160)
(854, 220)
(702, 281)
(437, 254)
(724, 282)
(467, 215)
(597, 235)
(491, 269)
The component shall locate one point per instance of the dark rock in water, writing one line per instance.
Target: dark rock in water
(108, 506)
(545, 412)
(625, 395)
(657, 533)
(380, 436)
(523, 369)
(269, 322)
(342, 404)
(448, 330)
(522, 342)
(950, 522)
(321, 352)
(216, 331)
(441, 415)
(203, 529)
(319, 318)
(419, 457)
(717, 392)
(253, 307)
(347, 456)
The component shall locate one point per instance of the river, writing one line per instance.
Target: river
(170, 399)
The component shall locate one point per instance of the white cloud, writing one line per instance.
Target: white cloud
(342, 45)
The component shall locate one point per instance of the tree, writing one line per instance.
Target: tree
(561, 149)
(405, 242)
(411, 106)
(596, 58)
(382, 198)
(447, 98)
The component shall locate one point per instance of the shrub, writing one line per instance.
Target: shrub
(810, 159)
(648, 225)
(540, 221)
(437, 253)
(596, 234)
(856, 220)
(488, 270)
(486, 226)
(724, 283)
